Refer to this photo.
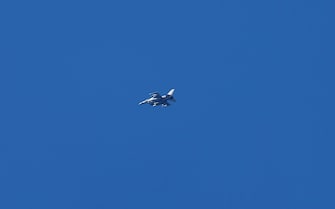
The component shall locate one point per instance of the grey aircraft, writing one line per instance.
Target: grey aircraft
(156, 99)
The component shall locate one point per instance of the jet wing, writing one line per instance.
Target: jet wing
(155, 95)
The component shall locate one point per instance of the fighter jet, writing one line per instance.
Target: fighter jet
(156, 99)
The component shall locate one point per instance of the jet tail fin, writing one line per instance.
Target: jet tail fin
(170, 93)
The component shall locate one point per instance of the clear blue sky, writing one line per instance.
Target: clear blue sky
(253, 125)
